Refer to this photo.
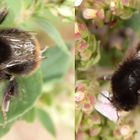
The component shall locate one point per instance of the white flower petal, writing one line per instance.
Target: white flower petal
(77, 2)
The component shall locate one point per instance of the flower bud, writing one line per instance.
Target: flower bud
(79, 96)
(82, 46)
(89, 13)
(112, 5)
(76, 31)
(125, 130)
(100, 14)
(95, 131)
(86, 55)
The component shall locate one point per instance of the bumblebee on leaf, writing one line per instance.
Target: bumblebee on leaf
(20, 54)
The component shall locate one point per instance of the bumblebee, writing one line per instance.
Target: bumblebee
(126, 81)
(20, 54)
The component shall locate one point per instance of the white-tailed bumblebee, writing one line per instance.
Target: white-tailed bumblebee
(20, 54)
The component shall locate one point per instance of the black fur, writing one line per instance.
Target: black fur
(23, 68)
(125, 85)
(5, 51)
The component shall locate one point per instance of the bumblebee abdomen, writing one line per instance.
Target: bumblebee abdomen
(28, 64)
(24, 68)
(24, 51)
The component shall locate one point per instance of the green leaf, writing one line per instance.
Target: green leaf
(14, 11)
(30, 115)
(56, 65)
(46, 121)
(127, 12)
(47, 98)
(133, 23)
(5, 130)
(29, 91)
(28, 3)
(15, 6)
(52, 32)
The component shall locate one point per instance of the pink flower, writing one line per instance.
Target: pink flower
(79, 96)
(88, 105)
(76, 31)
(82, 27)
(91, 99)
(125, 130)
(100, 14)
(82, 46)
(80, 87)
(94, 132)
(125, 2)
(96, 119)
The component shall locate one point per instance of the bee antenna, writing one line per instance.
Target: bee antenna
(106, 97)
(4, 114)
(44, 50)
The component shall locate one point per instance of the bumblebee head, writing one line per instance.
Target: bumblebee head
(125, 85)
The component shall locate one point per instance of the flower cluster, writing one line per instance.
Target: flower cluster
(107, 11)
(87, 48)
(83, 98)
(91, 124)
(125, 131)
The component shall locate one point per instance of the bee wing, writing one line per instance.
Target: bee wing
(104, 106)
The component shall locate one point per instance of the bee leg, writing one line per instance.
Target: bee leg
(4, 75)
(3, 14)
(104, 78)
(43, 57)
(10, 91)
